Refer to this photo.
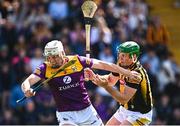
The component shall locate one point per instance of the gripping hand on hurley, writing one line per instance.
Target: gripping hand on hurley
(28, 92)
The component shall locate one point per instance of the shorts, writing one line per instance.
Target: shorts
(135, 118)
(87, 116)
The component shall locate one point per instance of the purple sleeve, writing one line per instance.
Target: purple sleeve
(40, 71)
(86, 62)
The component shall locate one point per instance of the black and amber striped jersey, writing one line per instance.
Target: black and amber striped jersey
(142, 99)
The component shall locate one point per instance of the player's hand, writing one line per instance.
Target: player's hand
(100, 81)
(29, 93)
(135, 77)
(88, 74)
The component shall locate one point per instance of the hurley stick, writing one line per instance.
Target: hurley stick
(88, 8)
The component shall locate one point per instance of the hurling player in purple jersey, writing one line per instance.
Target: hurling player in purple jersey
(71, 97)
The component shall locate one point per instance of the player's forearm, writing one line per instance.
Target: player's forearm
(118, 69)
(119, 97)
(110, 67)
(111, 80)
(32, 79)
(26, 85)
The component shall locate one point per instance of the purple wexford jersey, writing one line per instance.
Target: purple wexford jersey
(67, 86)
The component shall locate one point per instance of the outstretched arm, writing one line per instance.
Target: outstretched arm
(98, 64)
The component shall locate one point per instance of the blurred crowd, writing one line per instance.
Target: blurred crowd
(27, 25)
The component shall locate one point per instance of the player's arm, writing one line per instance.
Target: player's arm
(102, 65)
(26, 85)
(112, 78)
(130, 89)
(122, 98)
(98, 64)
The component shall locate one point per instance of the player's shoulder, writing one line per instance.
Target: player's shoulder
(43, 65)
(137, 67)
(40, 69)
(75, 57)
(81, 58)
(72, 57)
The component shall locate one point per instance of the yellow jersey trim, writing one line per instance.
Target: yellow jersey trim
(77, 67)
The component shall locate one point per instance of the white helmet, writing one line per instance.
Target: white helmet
(53, 47)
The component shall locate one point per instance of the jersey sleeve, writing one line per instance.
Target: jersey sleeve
(40, 71)
(115, 74)
(132, 85)
(86, 62)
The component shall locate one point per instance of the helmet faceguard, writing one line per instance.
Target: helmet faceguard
(53, 48)
(130, 47)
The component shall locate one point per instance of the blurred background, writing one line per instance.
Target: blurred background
(27, 25)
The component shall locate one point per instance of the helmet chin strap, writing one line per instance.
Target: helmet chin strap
(133, 59)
